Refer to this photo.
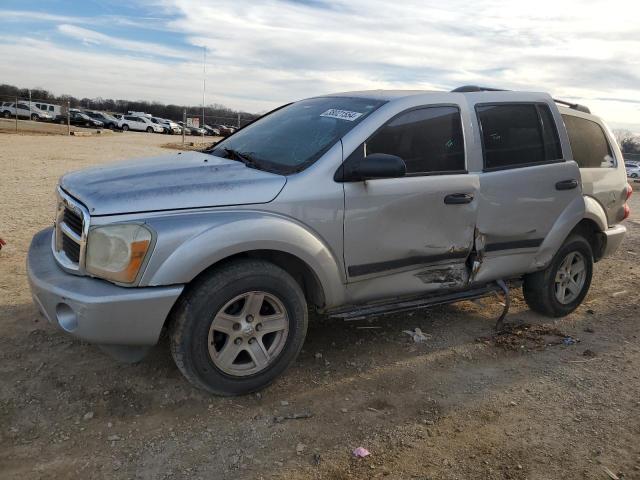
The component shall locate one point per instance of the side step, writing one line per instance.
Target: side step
(363, 311)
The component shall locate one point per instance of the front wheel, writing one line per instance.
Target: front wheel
(238, 328)
(149, 130)
(125, 127)
(560, 288)
(634, 175)
(34, 117)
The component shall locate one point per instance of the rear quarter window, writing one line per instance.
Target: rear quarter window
(589, 143)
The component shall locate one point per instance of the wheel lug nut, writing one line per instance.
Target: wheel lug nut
(249, 318)
(258, 327)
(238, 341)
(252, 340)
(236, 326)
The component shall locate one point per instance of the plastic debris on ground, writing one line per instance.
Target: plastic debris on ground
(417, 335)
(569, 340)
(361, 452)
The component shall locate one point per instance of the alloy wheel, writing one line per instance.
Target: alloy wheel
(570, 277)
(248, 333)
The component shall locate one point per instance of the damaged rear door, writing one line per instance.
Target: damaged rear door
(412, 234)
(525, 185)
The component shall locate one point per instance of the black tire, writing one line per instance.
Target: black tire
(6, 114)
(539, 288)
(149, 130)
(195, 311)
(62, 121)
(634, 175)
(125, 127)
(34, 117)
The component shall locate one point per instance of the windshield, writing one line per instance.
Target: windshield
(293, 137)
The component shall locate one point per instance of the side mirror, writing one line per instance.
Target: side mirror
(375, 165)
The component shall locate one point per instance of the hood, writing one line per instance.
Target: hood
(171, 182)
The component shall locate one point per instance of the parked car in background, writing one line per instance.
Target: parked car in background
(187, 130)
(211, 130)
(51, 108)
(225, 130)
(633, 170)
(139, 124)
(79, 119)
(108, 121)
(24, 111)
(170, 127)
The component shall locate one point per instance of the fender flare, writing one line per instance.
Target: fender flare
(247, 231)
(595, 212)
(583, 207)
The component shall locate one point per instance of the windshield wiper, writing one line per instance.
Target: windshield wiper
(245, 158)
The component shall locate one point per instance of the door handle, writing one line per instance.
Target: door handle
(567, 184)
(458, 199)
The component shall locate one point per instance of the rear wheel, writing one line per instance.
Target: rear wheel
(62, 121)
(125, 127)
(560, 288)
(6, 114)
(238, 328)
(34, 117)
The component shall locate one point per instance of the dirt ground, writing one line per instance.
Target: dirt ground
(463, 404)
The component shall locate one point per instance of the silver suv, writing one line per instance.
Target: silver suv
(357, 204)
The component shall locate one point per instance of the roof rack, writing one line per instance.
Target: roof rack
(573, 106)
(476, 88)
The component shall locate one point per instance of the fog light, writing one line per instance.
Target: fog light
(66, 317)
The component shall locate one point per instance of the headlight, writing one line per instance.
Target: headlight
(116, 252)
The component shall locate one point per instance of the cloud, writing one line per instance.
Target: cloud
(267, 52)
(91, 37)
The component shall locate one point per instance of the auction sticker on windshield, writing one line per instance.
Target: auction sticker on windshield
(341, 114)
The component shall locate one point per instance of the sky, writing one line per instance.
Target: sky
(263, 53)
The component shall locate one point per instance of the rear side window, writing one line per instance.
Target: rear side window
(429, 140)
(516, 135)
(588, 143)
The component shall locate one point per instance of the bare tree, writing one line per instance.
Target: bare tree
(629, 142)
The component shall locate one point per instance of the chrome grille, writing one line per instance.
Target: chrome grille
(72, 225)
(73, 221)
(71, 249)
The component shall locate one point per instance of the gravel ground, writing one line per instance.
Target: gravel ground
(463, 404)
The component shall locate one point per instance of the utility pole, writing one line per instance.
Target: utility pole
(68, 117)
(184, 123)
(16, 109)
(204, 85)
(29, 103)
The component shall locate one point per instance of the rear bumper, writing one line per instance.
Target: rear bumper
(95, 310)
(614, 236)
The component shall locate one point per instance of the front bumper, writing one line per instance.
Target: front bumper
(95, 310)
(614, 236)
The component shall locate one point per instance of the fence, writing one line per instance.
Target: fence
(35, 115)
